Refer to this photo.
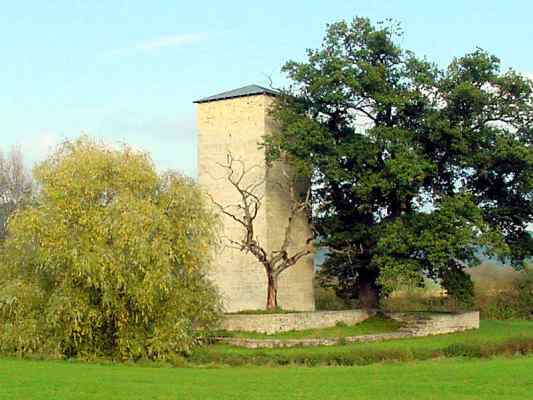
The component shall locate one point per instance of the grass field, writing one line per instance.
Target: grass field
(370, 326)
(492, 334)
(455, 379)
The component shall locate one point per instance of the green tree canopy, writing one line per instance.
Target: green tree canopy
(110, 260)
(416, 168)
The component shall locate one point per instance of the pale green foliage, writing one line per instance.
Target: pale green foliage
(110, 261)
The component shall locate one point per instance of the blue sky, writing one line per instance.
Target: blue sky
(128, 71)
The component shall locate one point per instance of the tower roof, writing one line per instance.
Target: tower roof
(250, 90)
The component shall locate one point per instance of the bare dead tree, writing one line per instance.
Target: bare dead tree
(245, 211)
(16, 185)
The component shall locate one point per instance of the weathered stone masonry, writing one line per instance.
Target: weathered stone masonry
(415, 325)
(273, 323)
(236, 122)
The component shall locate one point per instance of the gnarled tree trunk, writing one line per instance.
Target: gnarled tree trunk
(272, 291)
(368, 288)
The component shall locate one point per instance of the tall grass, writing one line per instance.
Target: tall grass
(502, 293)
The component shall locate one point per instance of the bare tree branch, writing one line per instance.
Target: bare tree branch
(16, 185)
(246, 211)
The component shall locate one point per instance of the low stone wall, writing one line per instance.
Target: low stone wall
(273, 323)
(415, 325)
(438, 323)
(281, 343)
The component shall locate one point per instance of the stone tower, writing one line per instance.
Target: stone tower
(236, 122)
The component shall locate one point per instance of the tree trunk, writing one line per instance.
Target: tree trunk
(272, 292)
(368, 288)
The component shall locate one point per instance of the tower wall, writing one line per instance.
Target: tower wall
(237, 125)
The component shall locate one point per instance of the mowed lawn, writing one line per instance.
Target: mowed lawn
(456, 379)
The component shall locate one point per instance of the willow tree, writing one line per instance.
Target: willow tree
(418, 169)
(109, 261)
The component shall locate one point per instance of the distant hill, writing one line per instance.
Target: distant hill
(321, 255)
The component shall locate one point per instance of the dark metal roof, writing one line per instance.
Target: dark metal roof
(250, 90)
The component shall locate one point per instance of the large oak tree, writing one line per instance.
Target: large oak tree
(417, 169)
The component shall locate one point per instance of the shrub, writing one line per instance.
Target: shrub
(459, 286)
(326, 299)
(515, 302)
(110, 261)
(524, 288)
(463, 350)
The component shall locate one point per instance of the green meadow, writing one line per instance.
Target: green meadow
(455, 379)
(494, 362)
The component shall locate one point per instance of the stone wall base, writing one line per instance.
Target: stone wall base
(424, 324)
(273, 323)
(415, 325)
